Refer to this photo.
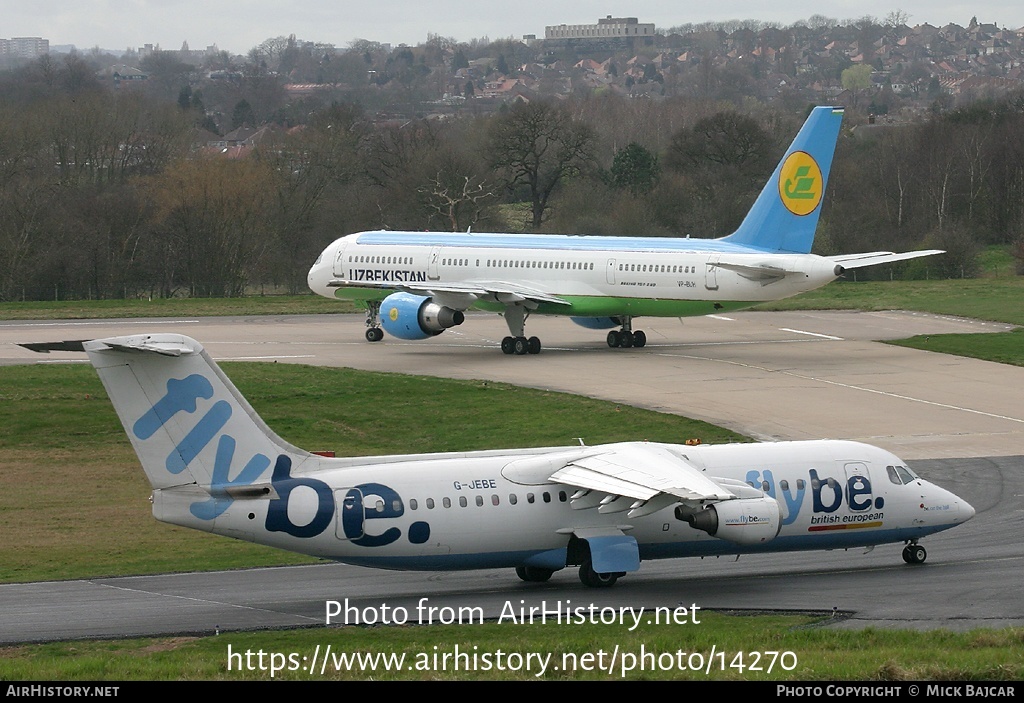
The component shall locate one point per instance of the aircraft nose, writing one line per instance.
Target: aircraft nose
(966, 510)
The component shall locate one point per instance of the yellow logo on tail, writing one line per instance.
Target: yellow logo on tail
(800, 183)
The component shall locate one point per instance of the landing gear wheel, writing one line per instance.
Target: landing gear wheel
(614, 339)
(507, 345)
(520, 346)
(533, 345)
(533, 574)
(914, 554)
(625, 339)
(639, 339)
(591, 578)
(374, 334)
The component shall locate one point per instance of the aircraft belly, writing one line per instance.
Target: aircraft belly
(604, 306)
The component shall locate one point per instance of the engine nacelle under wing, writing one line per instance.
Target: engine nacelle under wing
(597, 323)
(409, 316)
(743, 521)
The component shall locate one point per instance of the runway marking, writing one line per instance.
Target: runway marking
(811, 334)
(850, 386)
(200, 600)
(721, 317)
(275, 356)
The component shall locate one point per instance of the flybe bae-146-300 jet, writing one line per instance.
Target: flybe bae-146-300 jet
(215, 466)
(415, 285)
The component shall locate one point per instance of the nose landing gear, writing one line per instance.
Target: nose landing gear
(914, 554)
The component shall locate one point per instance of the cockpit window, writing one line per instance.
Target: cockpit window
(893, 475)
(906, 474)
(900, 475)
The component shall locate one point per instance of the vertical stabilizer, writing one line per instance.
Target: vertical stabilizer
(785, 214)
(186, 420)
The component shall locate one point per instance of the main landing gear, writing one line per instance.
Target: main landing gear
(626, 337)
(914, 553)
(533, 574)
(593, 579)
(520, 345)
(517, 343)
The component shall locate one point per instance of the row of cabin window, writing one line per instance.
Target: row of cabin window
(359, 259)
(561, 265)
(513, 499)
(661, 268)
(495, 263)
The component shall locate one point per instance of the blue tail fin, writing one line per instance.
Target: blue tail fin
(785, 214)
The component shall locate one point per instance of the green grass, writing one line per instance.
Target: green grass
(1003, 347)
(59, 437)
(812, 653)
(996, 299)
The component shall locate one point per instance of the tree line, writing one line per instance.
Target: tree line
(109, 193)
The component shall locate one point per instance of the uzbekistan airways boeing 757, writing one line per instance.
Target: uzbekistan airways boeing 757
(415, 285)
(215, 466)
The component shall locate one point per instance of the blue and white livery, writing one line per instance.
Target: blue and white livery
(215, 466)
(415, 285)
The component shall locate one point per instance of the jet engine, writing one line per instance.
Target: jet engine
(743, 521)
(409, 316)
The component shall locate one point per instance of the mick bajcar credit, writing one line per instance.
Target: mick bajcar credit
(613, 660)
(897, 690)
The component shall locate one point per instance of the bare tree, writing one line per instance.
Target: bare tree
(538, 145)
(460, 204)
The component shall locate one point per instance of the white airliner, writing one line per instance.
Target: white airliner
(415, 285)
(215, 466)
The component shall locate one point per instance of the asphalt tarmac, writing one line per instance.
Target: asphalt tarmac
(773, 376)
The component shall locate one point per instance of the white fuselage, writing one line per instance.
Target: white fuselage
(460, 511)
(594, 276)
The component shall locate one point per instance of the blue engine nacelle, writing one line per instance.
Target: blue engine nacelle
(597, 323)
(409, 316)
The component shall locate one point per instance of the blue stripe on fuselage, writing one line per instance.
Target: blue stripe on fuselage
(555, 242)
(849, 539)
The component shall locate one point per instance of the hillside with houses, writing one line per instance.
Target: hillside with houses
(206, 173)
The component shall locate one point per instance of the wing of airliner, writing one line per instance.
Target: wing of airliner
(635, 476)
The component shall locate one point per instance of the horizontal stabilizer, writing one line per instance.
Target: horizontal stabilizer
(765, 273)
(47, 347)
(856, 261)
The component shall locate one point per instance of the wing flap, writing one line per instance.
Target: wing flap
(639, 471)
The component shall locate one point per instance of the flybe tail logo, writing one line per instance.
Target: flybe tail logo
(303, 506)
(800, 183)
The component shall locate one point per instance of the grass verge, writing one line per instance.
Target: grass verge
(995, 299)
